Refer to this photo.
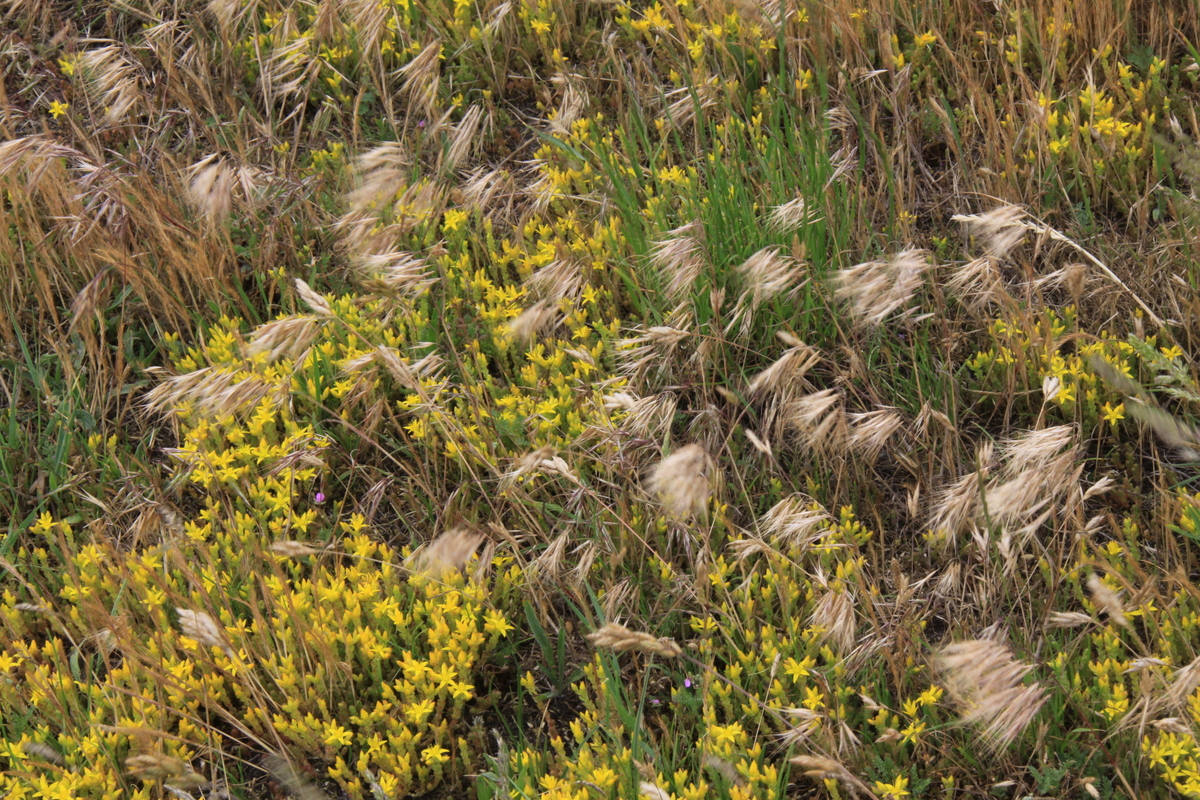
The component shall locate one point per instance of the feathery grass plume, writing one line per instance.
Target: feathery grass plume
(1068, 619)
(533, 320)
(290, 70)
(1174, 432)
(316, 303)
(818, 420)
(650, 417)
(834, 615)
(683, 482)
(748, 546)
(802, 724)
(211, 391)
(617, 637)
(766, 273)
(154, 766)
(759, 444)
(549, 565)
(1183, 684)
(1015, 500)
(652, 791)
(985, 681)
(544, 459)
(382, 173)
(449, 552)
(654, 350)
(369, 21)
(201, 627)
(685, 102)
(795, 521)
(956, 509)
(482, 186)
(422, 76)
(466, 136)
(395, 274)
(998, 230)
(1107, 600)
(286, 773)
(950, 582)
(570, 107)
(769, 272)
(870, 431)
(679, 259)
(979, 284)
(876, 289)
(111, 81)
(284, 338)
(43, 751)
(785, 373)
(409, 375)
(790, 216)
(561, 278)
(1039, 450)
(289, 548)
(496, 18)
(585, 558)
(211, 183)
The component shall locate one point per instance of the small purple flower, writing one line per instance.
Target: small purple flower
(320, 497)
(421, 124)
(687, 683)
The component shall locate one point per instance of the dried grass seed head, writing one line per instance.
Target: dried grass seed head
(284, 338)
(768, 273)
(795, 521)
(617, 637)
(683, 482)
(998, 230)
(985, 680)
(871, 431)
(679, 259)
(791, 215)
(201, 627)
(834, 615)
(1107, 600)
(877, 289)
(395, 274)
(818, 420)
(316, 303)
(979, 284)
(786, 373)
(533, 320)
(449, 552)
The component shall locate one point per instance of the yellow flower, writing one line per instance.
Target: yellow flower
(924, 39)
(58, 108)
(911, 733)
(337, 735)
(435, 755)
(894, 790)
(1174, 351)
(495, 623)
(1111, 414)
(453, 219)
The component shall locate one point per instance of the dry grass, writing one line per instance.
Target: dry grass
(364, 361)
